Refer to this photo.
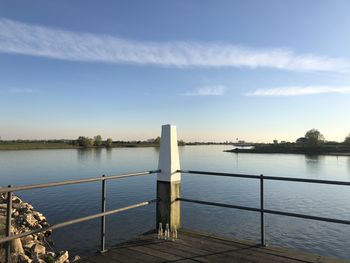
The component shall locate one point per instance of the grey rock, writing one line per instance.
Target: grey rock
(38, 250)
(63, 257)
(16, 246)
(75, 259)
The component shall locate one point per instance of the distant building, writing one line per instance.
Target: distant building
(301, 140)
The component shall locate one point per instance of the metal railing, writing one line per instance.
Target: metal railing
(261, 209)
(10, 190)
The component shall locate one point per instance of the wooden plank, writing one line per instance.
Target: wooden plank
(128, 255)
(197, 247)
(268, 253)
(103, 259)
(156, 253)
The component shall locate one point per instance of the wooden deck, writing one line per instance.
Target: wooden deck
(197, 247)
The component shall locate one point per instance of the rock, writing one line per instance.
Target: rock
(75, 259)
(63, 257)
(28, 239)
(38, 260)
(39, 216)
(29, 206)
(30, 220)
(20, 258)
(29, 249)
(29, 245)
(38, 250)
(24, 259)
(16, 200)
(16, 246)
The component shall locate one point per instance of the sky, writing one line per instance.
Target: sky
(218, 70)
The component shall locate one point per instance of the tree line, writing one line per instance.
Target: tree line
(314, 138)
(96, 141)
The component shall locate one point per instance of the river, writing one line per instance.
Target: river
(68, 202)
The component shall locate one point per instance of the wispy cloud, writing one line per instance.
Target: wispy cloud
(300, 91)
(217, 90)
(23, 90)
(21, 38)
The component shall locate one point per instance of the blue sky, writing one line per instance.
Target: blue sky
(219, 70)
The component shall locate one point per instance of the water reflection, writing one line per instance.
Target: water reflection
(313, 163)
(109, 153)
(84, 155)
(97, 154)
(28, 167)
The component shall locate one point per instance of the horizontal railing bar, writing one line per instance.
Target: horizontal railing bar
(69, 182)
(75, 221)
(268, 211)
(273, 178)
(317, 218)
(219, 204)
(220, 174)
(314, 181)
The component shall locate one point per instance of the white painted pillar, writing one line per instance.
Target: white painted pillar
(168, 180)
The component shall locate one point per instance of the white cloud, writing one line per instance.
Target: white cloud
(21, 38)
(300, 91)
(23, 90)
(217, 90)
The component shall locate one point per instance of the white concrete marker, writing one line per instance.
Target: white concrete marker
(169, 161)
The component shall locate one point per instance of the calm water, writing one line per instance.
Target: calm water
(69, 202)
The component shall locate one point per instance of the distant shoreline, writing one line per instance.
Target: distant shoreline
(63, 146)
(330, 154)
(344, 151)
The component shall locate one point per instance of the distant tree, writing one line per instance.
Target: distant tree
(81, 140)
(347, 139)
(85, 141)
(301, 140)
(98, 140)
(181, 143)
(89, 142)
(314, 138)
(157, 140)
(109, 142)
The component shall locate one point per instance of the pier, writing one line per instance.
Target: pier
(189, 246)
(200, 247)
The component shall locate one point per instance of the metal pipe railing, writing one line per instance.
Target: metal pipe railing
(267, 211)
(8, 223)
(104, 213)
(75, 221)
(79, 181)
(10, 190)
(103, 218)
(262, 210)
(273, 178)
(262, 215)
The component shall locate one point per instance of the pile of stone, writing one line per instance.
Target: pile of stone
(35, 248)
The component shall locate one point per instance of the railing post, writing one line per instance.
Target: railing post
(103, 218)
(168, 179)
(262, 216)
(8, 225)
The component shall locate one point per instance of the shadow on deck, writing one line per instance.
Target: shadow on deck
(198, 247)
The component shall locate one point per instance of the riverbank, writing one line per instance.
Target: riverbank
(335, 150)
(32, 248)
(56, 146)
